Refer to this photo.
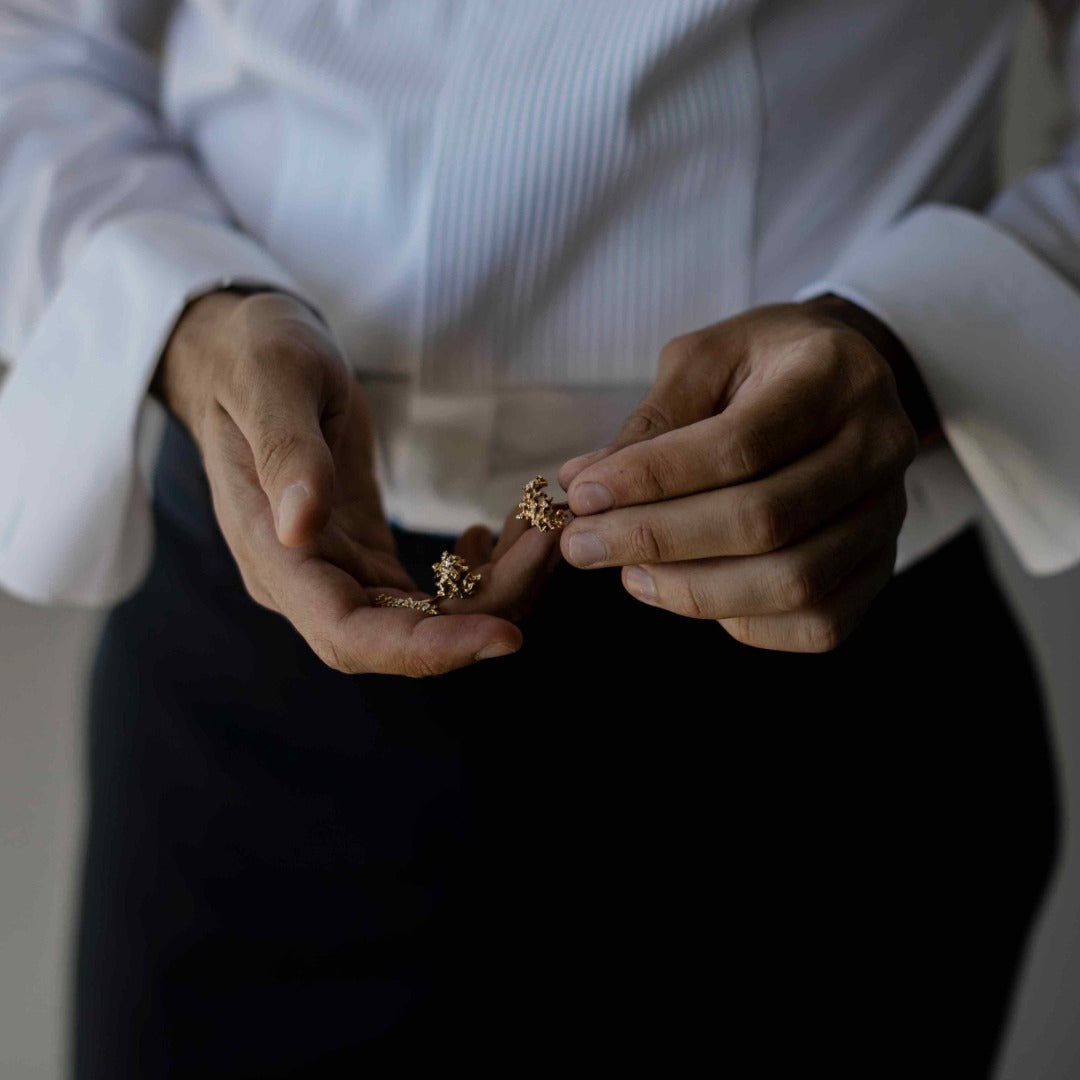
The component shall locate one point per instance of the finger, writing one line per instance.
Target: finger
(828, 624)
(280, 404)
(570, 469)
(512, 529)
(665, 408)
(475, 545)
(357, 500)
(688, 384)
(762, 429)
(336, 616)
(791, 579)
(270, 571)
(242, 511)
(326, 604)
(746, 519)
(508, 585)
(240, 505)
(329, 607)
(365, 563)
(685, 391)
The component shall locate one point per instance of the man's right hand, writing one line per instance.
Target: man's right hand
(286, 440)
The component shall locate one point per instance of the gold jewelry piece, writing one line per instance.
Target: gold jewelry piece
(537, 507)
(428, 607)
(452, 577)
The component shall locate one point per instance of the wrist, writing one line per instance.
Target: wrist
(913, 392)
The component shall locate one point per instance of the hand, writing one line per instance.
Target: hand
(759, 483)
(286, 440)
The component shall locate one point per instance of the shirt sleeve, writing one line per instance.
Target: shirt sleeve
(107, 231)
(988, 305)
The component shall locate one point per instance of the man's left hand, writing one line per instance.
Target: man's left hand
(760, 482)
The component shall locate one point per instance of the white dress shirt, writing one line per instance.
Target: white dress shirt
(503, 209)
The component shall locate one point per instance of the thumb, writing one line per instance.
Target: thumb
(281, 418)
(672, 402)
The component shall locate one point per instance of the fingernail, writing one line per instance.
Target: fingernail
(592, 499)
(586, 549)
(293, 501)
(640, 582)
(498, 648)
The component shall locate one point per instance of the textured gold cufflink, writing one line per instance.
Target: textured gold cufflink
(428, 607)
(452, 577)
(538, 508)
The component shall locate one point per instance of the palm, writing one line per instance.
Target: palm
(327, 587)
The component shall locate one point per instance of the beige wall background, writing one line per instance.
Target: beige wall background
(44, 657)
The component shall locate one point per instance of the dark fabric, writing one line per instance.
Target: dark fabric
(636, 843)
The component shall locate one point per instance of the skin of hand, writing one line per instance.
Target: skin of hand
(760, 482)
(286, 439)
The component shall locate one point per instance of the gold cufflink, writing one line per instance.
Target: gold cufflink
(538, 508)
(452, 577)
(428, 607)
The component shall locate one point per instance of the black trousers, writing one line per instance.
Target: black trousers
(636, 843)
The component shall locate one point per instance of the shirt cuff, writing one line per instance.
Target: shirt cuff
(77, 428)
(995, 333)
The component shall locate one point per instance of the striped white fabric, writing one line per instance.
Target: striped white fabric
(504, 208)
(532, 194)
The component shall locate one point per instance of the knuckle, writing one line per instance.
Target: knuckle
(822, 632)
(850, 363)
(748, 517)
(645, 543)
(689, 599)
(653, 479)
(750, 452)
(870, 373)
(329, 653)
(699, 350)
(798, 586)
(866, 370)
(294, 350)
(276, 447)
(830, 353)
(677, 351)
(697, 603)
(827, 364)
(646, 421)
(901, 442)
(765, 523)
(826, 350)
(741, 628)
